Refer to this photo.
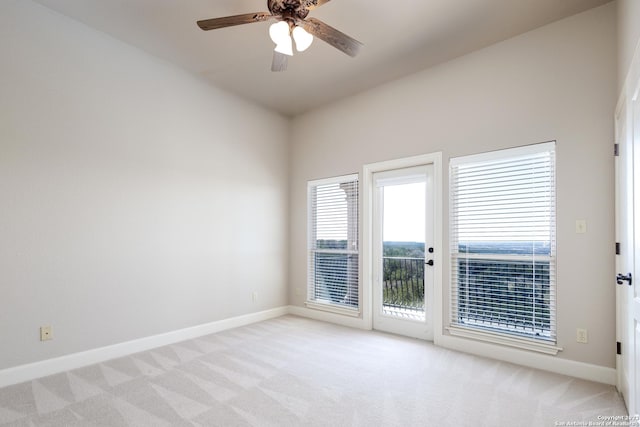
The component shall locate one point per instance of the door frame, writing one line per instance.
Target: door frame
(422, 329)
(368, 187)
(626, 304)
(623, 161)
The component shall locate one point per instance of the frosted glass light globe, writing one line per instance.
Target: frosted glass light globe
(303, 39)
(279, 32)
(285, 48)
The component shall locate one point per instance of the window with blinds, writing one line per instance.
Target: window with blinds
(503, 254)
(333, 242)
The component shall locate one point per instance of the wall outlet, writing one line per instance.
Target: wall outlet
(581, 226)
(254, 296)
(582, 336)
(298, 292)
(45, 333)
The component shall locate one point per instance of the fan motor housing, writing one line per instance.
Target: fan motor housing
(291, 9)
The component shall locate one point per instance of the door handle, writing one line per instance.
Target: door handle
(430, 262)
(620, 278)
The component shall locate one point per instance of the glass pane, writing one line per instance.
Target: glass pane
(503, 244)
(336, 278)
(512, 296)
(403, 250)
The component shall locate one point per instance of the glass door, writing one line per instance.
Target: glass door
(403, 251)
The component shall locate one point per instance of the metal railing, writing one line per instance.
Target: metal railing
(509, 295)
(403, 284)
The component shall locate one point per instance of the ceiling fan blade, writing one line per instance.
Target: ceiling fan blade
(230, 21)
(335, 38)
(314, 4)
(280, 62)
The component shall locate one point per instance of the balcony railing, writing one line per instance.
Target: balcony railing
(504, 294)
(403, 286)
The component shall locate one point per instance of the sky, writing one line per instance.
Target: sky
(404, 210)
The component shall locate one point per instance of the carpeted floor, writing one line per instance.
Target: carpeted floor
(298, 372)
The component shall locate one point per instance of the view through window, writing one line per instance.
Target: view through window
(503, 242)
(333, 242)
(403, 233)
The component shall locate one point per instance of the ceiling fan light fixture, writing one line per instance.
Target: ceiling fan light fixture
(279, 32)
(280, 35)
(302, 38)
(291, 24)
(285, 48)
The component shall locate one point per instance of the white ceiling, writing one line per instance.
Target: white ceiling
(400, 38)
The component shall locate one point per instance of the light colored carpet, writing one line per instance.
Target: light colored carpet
(298, 372)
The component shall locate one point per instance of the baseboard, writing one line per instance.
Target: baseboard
(544, 362)
(44, 368)
(325, 316)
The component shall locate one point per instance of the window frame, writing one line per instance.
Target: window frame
(494, 335)
(323, 304)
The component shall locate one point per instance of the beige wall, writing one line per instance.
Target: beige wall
(628, 36)
(135, 199)
(130, 189)
(554, 83)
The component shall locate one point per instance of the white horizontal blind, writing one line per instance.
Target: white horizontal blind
(333, 242)
(503, 254)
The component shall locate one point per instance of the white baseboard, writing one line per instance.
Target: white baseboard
(44, 368)
(544, 362)
(325, 316)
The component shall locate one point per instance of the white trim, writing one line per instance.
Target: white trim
(368, 186)
(623, 112)
(495, 338)
(410, 175)
(441, 261)
(504, 156)
(332, 308)
(325, 316)
(506, 153)
(311, 237)
(530, 359)
(68, 362)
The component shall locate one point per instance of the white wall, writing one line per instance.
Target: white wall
(554, 83)
(135, 199)
(628, 36)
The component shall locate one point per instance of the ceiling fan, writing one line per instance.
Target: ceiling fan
(291, 21)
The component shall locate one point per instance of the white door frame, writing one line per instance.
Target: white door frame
(627, 299)
(416, 328)
(624, 238)
(368, 187)
(633, 298)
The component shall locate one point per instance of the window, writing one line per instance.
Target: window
(333, 243)
(503, 255)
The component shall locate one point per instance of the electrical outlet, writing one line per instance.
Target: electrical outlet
(254, 296)
(45, 333)
(581, 226)
(298, 292)
(582, 336)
